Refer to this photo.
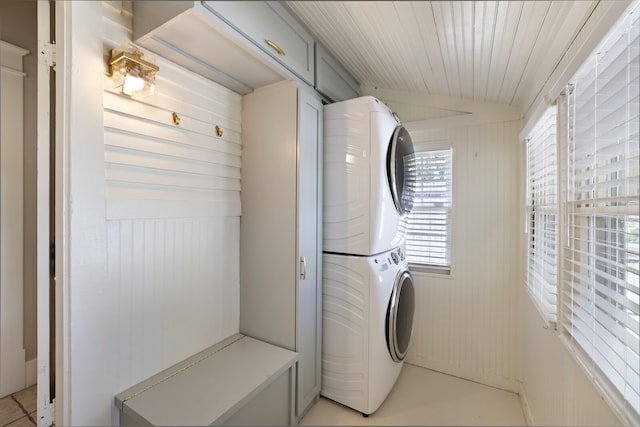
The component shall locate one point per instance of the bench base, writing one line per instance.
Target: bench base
(239, 381)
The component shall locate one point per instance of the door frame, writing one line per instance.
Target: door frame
(61, 205)
(52, 300)
(43, 257)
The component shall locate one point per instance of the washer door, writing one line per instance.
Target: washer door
(398, 156)
(400, 316)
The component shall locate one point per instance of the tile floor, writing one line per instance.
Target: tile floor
(19, 409)
(424, 397)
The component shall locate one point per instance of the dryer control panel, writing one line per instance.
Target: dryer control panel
(390, 259)
(396, 256)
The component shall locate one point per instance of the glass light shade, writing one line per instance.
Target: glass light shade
(133, 71)
(132, 84)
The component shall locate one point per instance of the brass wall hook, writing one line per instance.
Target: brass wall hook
(218, 131)
(176, 118)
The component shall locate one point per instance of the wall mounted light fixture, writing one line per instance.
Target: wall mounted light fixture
(133, 70)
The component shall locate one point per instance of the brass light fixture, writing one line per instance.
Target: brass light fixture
(133, 71)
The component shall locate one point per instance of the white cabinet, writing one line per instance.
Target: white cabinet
(281, 226)
(242, 45)
(191, 35)
(332, 80)
(227, 42)
(272, 27)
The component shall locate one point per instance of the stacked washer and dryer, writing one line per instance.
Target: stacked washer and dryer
(368, 294)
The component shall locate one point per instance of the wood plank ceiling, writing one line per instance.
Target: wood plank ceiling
(490, 51)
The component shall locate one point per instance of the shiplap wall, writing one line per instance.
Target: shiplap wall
(172, 205)
(467, 324)
(555, 389)
(480, 324)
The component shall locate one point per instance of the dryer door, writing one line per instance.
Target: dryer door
(400, 316)
(398, 156)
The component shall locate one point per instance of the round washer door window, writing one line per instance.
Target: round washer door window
(398, 157)
(400, 316)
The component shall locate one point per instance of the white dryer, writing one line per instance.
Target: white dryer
(366, 151)
(368, 307)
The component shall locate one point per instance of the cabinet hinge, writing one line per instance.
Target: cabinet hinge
(47, 53)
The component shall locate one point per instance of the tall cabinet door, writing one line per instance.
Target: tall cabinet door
(309, 312)
(268, 236)
(280, 227)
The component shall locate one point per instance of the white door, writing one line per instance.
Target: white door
(12, 353)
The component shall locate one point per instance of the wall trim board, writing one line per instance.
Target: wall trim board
(12, 71)
(31, 372)
(14, 50)
(420, 111)
(507, 384)
(526, 407)
(420, 130)
(159, 209)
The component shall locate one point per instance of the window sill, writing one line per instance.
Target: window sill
(424, 270)
(548, 323)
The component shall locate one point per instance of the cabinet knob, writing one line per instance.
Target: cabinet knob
(303, 264)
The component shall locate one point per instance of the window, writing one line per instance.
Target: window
(542, 215)
(428, 241)
(599, 299)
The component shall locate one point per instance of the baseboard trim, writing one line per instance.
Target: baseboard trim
(526, 408)
(31, 370)
(496, 381)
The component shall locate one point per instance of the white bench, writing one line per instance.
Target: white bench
(239, 381)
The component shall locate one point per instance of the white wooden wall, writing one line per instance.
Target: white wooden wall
(151, 213)
(467, 324)
(555, 389)
(480, 324)
(123, 319)
(172, 200)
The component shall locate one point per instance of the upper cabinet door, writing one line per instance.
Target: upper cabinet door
(272, 27)
(332, 80)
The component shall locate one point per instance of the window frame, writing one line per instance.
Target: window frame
(542, 202)
(597, 289)
(442, 271)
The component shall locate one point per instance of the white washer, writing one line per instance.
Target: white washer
(365, 164)
(368, 306)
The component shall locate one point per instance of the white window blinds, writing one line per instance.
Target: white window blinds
(600, 272)
(428, 241)
(542, 215)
